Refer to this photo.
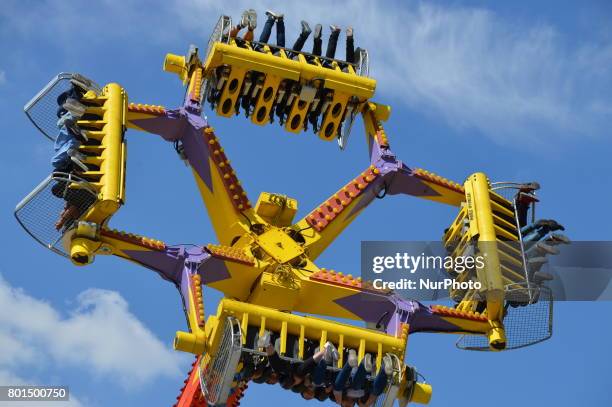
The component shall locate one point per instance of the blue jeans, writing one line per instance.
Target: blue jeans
(331, 44)
(318, 376)
(357, 377)
(65, 141)
(299, 43)
(380, 382)
(350, 50)
(267, 31)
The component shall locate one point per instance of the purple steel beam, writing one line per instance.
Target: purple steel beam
(389, 311)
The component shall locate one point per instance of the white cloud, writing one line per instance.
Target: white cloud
(99, 336)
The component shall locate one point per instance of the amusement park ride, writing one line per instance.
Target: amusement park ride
(265, 262)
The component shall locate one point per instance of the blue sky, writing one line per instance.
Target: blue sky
(518, 90)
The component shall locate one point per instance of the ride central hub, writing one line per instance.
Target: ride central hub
(279, 245)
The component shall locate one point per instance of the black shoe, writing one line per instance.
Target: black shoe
(334, 28)
(305, 28)
(550, 223)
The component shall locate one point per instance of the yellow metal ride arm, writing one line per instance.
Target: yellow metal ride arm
(226, 201)
(385, 175)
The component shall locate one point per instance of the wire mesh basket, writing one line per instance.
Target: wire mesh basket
(363, 63)
(388, 397)
(220, 34)
(528, 319)
(54, 207)
(217, 376)
(42, 108)
(346, 126)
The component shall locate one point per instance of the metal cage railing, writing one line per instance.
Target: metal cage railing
(528, 319)
(363, 63)
(220, 33)
(388, 397)
(42, 108)
(346, 126)
(510, 191)
(54, 207)
(217, 376)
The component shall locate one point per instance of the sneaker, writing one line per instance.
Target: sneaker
(331, 353)
(73, 152)
(530, 186)
(67, 216)
(367, 362)
(77, 157)
(387, 364)
(550, 223)
(352, 358)
(526, 197)
(318, 31)
(76, 130)
(80, 164)
(334, 28)
(305, 28)
(546, 248)
(81, 83)
(537, 261)
(244, 19)
(349, 31)
(545, 222)
(251, 19)
(75, 107)
(542, 276)
(558, 238)
(264, 340)
(272, 14)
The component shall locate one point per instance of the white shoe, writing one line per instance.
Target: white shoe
(387, 364)
(251, 19)
(77, 157)
(274, 15)
(264, 340)
(367, 362)
(331, 353)
(81, 82)
(75, 107)
(244, 19)
(352, 358)
(79, 163)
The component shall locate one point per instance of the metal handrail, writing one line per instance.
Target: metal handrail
(216, 380)
(88, 83)
(69, 179)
